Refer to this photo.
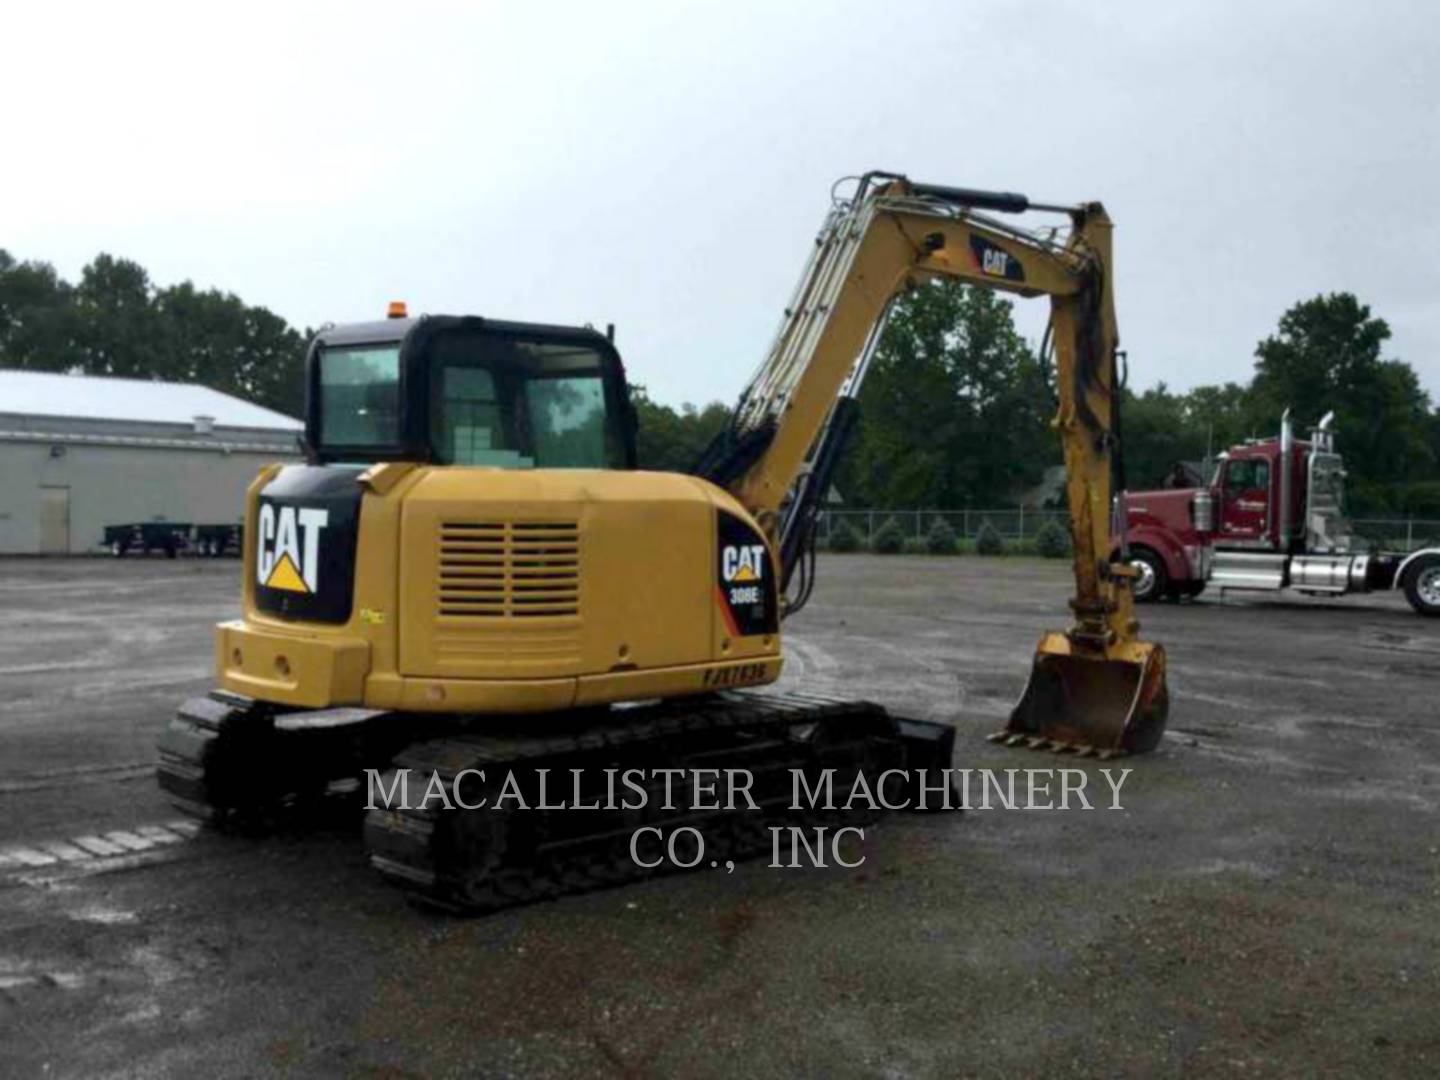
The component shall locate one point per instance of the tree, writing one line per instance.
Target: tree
(115, 322)
(1326, 356)
(1161, 428)
(1223, 415)
(671, 440)
(954, 408)
(118, 330)
(37, 322)
(1156, 433)
(272, 364)
(213, 338)
(1326, 347)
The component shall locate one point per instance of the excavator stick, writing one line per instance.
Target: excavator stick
(1107, 703)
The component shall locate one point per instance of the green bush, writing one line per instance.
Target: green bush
(940, 539)
(1052, 541)
(843, 537)
(988, 540)
(916, 545)
(889, 539)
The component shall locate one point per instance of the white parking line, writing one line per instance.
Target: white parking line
(96, 850)
(65, 852)
(96, 846)
(129, 840)
(159, 834)
(20, 856)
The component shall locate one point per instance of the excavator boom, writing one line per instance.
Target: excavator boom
(1096, 686)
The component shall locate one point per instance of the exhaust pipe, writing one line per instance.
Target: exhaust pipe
(1282, 514)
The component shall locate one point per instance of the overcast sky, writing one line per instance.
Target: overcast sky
(664, 166)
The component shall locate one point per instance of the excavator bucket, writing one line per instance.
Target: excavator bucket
(1108, 703)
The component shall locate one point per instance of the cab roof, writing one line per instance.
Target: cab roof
(382, 330)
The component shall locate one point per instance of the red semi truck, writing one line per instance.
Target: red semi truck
(1270, 519)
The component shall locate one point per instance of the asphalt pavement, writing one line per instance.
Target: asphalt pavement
(1264, 903)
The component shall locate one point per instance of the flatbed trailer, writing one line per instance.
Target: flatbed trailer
(172, 538)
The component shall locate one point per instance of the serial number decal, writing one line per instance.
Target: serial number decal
(742, 675)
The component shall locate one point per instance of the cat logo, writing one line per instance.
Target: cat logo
(743, 562)
(996, 262)
(287, 555)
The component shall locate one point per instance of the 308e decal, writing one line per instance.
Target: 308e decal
(745, 578)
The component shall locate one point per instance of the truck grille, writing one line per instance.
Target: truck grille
(508, 570)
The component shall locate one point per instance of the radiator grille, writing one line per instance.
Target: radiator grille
(508, 570)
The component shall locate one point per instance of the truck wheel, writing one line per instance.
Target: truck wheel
(1153, 582)
(1422, 585)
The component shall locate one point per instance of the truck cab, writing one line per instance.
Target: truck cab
(1271, 518)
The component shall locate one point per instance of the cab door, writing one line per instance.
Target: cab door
(1245, 502)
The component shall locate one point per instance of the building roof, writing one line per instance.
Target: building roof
(95, 397)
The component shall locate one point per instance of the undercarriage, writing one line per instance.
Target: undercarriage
(456, 811)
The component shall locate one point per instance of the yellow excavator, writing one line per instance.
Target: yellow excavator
(470, 579)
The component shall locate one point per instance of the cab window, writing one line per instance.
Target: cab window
(360, 396)
(1247, 477)
(513, 403)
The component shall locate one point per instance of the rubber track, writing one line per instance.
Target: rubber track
(476, 861)
(216, 758)
(222, 760)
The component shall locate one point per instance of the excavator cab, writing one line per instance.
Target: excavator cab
(448, 390)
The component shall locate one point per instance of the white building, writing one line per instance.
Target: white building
(78, 453)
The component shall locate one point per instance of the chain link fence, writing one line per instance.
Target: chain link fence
(1015, 523)
(1018, 524)
(1397, 534)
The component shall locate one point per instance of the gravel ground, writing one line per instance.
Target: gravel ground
(1264, 903)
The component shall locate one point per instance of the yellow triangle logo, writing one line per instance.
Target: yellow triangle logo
(744, 574)
(285, 576)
